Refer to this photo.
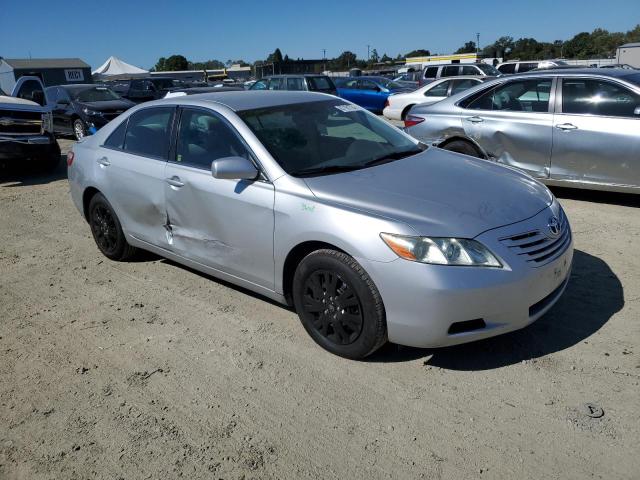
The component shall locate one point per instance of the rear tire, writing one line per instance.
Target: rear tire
(460, 146)
(339, 305)
(107, 231)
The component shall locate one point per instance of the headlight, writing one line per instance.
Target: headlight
(47, 122)
(441, 251)
(90, 112)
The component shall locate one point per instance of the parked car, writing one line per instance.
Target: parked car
(512, 67)
(81, 110)
(625, 66)
(574, 128)
(408, 79)
(26, 130)
(307, 200)
(368, 92)
(181, 92)
(140, 90)
(433, 72)
(307, 82)
(397, 106)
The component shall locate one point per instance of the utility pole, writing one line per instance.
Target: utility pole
(368, 54)
(324, 58)
(477, 43)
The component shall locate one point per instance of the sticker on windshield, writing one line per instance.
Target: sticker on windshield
(348, 108)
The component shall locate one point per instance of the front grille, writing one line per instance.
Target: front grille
(539, 247)
(16, 122)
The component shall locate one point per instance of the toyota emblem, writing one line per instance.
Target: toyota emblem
(554, 226)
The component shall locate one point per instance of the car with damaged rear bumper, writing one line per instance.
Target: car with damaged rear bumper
(312, 201)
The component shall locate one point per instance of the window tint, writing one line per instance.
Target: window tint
(469, 70)
(148, 132)
(320, 84)
(295, 83)
(597, 97)
(519, 96)
(204, 137)
(462, 85)
(507, 68)
(276, 83)
(260, 85)
(116, 139)
(439, 90)
(525, 67)
(450, 71)
(364, 84)
(431, 72)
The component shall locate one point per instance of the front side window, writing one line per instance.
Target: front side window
(598, 97)
(260, 85)
(431, 72)
(507, 68)
(204, 137)
(450, 71)
(116, 139)
(487, 69)
(469, 70)
(328, 136)
(439, 90)
(295, 83)
(276, 84)
(525, 67)
(519, 96)
(320, 84)
(367, 85)
(148, 132)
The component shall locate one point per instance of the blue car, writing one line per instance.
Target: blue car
(368, 92)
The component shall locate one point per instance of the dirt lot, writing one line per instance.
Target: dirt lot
(150, 370)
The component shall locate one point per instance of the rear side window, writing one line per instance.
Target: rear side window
(320, 84)
(525, 67)
(450, 71)
(439, 90)
(507, 68)
(276, 84)
(204, 137)
(148, 132)
(519, 96)
(295, 83)
(431, 72)
(598, 97)
(469, 70)
(116, 139)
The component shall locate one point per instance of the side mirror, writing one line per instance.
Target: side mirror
(234, 168)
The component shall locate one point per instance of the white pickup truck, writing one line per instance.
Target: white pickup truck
(26, 129)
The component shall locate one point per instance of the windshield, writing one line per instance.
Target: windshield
(96, 94)
(161, 83)
(488, 69)
(318, 138)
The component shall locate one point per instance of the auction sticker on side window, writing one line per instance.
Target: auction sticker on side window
(348, 108)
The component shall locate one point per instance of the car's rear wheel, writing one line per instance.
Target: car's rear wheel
(339, 305)
(79, 129)
(107, 231)
(460, 146)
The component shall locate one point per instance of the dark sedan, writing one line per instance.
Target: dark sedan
(368, 92)
(81, 110)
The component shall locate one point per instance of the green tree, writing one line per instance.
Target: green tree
(386, 58)
(276, 56)
(173, 63)
(374, 58)
(468, 47)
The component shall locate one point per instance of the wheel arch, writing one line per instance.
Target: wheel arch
(462, 138)
(87, 195)
(405, 111)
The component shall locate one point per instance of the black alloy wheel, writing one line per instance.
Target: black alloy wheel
(107, 231)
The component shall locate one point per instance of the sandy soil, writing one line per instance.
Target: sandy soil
(150, 370)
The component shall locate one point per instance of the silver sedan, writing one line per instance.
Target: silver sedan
(308, 199)
(575, 128)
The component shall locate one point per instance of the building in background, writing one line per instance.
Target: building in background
(289, 67)
(52, 71)
(234, 72)
(629, 53)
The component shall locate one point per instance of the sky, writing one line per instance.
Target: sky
(141, 31)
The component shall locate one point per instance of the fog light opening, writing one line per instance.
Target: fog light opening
(466, 326)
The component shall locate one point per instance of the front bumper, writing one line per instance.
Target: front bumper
(422, 301)
(21, 147)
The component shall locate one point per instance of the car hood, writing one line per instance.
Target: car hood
(108, 105)
(438, 193)
(12, 101)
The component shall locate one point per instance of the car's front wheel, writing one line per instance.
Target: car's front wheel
(79, 129)
(339, 305)
(107, 231)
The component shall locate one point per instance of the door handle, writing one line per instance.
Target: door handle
(104, 162)
(475, 119)
(566, 126)
(175, 182)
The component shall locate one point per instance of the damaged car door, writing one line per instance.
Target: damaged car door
(512, 123)
(130, 168)
(223, 223)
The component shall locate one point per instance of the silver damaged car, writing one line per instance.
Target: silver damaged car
(310, 200)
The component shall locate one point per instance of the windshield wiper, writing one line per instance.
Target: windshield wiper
(391, 157)
(325, 170)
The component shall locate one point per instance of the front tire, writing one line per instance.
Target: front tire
(79, 129)
(339, 305)
(107, 231)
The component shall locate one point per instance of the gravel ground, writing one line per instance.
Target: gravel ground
(150, 370)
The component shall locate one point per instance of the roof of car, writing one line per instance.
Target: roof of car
(295, 75)
(617, 73)
(82, 86)
(253, 99)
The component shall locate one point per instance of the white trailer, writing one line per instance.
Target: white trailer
(629, 53)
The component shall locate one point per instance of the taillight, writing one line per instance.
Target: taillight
(411, 120)
(70, 157)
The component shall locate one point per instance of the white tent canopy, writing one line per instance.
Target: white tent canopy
(114, 68)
